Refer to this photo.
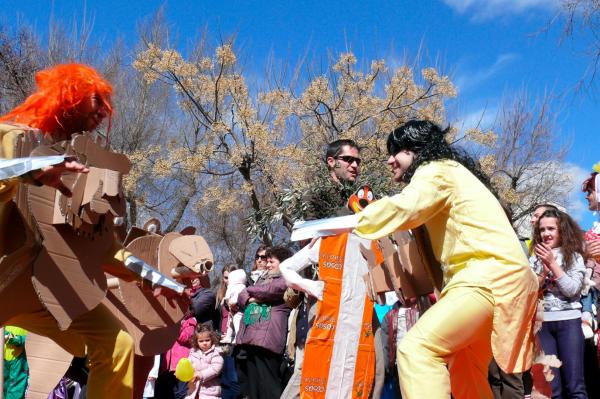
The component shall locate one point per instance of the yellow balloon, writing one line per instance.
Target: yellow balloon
(184, 370)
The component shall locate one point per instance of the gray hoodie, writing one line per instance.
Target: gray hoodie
(561, 296)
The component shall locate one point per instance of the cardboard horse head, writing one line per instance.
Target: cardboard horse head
(153, 322)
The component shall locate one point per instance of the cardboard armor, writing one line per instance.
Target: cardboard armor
(67, 239)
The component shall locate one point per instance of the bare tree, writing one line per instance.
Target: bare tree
(583, 16)
(524, 155)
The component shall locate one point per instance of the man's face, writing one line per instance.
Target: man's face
(346, 165)
(87, 115)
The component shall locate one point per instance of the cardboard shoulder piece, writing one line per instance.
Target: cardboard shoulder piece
(48, 363)
(409, 267)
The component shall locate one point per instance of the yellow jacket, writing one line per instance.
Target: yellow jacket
(475, 244)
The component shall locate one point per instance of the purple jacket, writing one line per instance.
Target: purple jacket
(207, 367)
(181, 347)
(271, 333)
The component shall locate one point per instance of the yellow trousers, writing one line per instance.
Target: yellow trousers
(449, 348)
(101, 336)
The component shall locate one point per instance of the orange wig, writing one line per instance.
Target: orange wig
(60, 89)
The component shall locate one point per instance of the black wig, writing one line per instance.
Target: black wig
(428, 141)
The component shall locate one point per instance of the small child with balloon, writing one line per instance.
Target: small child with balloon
(204, 365)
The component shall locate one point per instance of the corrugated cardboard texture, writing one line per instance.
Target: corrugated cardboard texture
(68, 274)
(97, 156)
(406, 268)
(166, 260)
(191, 250)
(48, 362)
(151, 321)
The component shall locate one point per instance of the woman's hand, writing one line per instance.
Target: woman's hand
(544, 253)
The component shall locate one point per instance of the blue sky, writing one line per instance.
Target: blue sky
(491, 48)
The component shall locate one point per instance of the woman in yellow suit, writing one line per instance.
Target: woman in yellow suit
(488, 301)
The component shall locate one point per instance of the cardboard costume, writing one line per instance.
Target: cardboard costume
(54, 250)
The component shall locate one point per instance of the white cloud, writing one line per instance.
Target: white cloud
(470, 79)
(576, 203)
(484, 118)
(486, 9)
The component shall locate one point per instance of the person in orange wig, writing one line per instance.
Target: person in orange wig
(72, 98)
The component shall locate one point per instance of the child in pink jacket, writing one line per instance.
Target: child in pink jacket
(207, 362)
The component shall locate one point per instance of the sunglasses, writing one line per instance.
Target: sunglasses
(262, 257)
(349, 159)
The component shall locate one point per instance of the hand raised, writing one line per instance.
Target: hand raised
(50, 175)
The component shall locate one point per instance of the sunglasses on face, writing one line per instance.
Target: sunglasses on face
(349, 159)
(261, 257)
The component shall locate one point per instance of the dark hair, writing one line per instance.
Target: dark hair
(589, 184)
(335, 147)
(280, 253)
(261, 247)
(221, 288)
(427, 140)
(202, 328)
(571, 236)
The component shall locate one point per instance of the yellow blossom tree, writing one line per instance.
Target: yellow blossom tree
(235, 152)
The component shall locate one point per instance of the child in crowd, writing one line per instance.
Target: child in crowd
(207, 362)
(16, 369)
(557, 258)
(237, 283)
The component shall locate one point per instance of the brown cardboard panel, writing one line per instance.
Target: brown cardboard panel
(166, 261)
(98, 156)
(159, 310)
(17, 244)
(152, 328)
(68, 277)
(414, 265)
(146, 248)
(94, 177)
(434, 269)
(133, 233)
(19, 297)
(48, 362)
(192, 251)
